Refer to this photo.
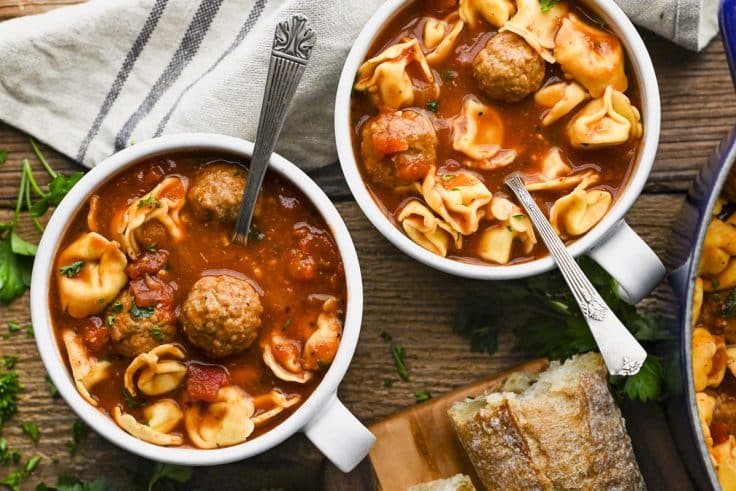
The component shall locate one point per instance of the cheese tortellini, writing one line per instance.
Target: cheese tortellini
(87, 370)
(155, 374)
(225, 421)
(536, 27)
(608, 120)
(440, 36)
(579, 211)
(163, 203)
(90, 274)
(147, 432)
(426, 229)
(495, 12)
(386, 78)
(270, 405)
(560, 98)
(716, 260)
(497, 242)
(592, 57)
(556, 175)
(459, 199)
(709, 359)
(478, 133)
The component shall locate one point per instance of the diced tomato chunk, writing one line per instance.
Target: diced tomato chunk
(204, 381)
(719, 432)
(94, 334)
(148, 263)
(388, 142)
(150, 291)
(413, 170)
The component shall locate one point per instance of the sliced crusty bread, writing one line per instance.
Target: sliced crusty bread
(562, 431)
(458, 482)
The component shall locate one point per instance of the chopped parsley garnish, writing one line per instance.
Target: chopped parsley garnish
(117, 307)
(72, 270)
(140, 312)
(151, 201)
(79, 433)
(131, 401)
(728, 307)
(388, 383)
(7, 455)
(31, 429)
(449, 75)
(716, 284)
(547, 5)
(518, 217)
(433, 106)
(157, 334)
(399, 353)
(3, 155)
(386, 337)
(455, 189)
(508, 227)
(255, 234)
(9, 361)
(29, 331)
(446, 177)
(152, 247)
(286, 324)
(9, 389)
(13, 327)
(422, 396)
(110, 320)
(53, 391)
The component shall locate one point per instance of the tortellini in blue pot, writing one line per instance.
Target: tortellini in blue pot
(536, 27)
(606, 121)
(459, 199)
(576, 213)
(90, 274)
(497, 242)
(592, 57)
(163, 203)
(716, 261)
(560, 98)
(709, 359)
(385, 76)
(440, 36)
(478, 132)
(495, 12)
(429, 231)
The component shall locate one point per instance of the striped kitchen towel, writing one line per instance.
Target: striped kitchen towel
(94, 78)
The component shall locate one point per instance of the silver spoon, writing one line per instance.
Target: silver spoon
(292, 45)
(621, 352)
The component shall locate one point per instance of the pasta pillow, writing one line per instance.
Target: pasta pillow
(556, 175)
(577, 212)
(560, 98)
(440, 36)
(606, 121)
(458, 198)
(496, 243)
(385, 76)
(90, 274)
(536, 27)
(495, 12)
(163, 204)
(590, 56)
(709, 359)
(427, 230)
(225, 421)
(478, 133)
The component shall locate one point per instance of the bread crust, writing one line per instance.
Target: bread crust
(566, 433)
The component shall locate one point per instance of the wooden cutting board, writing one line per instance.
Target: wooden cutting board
(419, 444)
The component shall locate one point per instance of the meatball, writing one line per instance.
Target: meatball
(217, 192)
(398, 146)
(221, 315)
(508, 69)
(135, 329)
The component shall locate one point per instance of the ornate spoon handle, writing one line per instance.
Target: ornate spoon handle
(621, 352)
(292, 45)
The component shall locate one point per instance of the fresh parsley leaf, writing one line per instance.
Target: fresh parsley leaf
(157, 334)
(131, 401)
(13, 327)
(433, 106)
(645, 386)
(15, 270)
(446, 177)
(286, 324)
(140, 312)
(53, 391)
(449, 75)
(399, 353)
(3, 155)
(728, 308)
(422, 396)
(29, 331)
(151, 201)
(388, 383)
(31, 429)
(72, 270)
(547, 5)
(9, 361)
(61, 185)
(79, 433)
(255, 234)
(178, 473)
(20, 246)
(386, 337)
(152, 247)
(116, 308)
(110, 320)
(9, 389)
(7, 455)
(71, 483)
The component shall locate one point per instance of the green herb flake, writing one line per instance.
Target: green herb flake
(255, 234)
(10, 387)
(150, 201)
(455, 189)
(422, 396)
(131, 401)
(508, 227)
(546, 5)
(31, 429)
(399, 353)
(140, 312)
(3, 155)
(388, 383)
(152, 247)
(167, 473)
(9, 361)
(386, 337)
(157, 334)
(449, 75)
(110, 320)
(116, 308)
(518, 217)
(728, 307)
(29, 331)
(51, 388)
(716, 284)
(446, 177)
(79, 433)
(286, 324)
(433, 106)
(72, 270)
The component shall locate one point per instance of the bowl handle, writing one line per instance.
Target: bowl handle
(339, 435)
(631, 262)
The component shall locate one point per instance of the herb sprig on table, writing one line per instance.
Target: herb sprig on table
(554, 327)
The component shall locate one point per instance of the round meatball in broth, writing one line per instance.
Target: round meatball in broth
(398, 147)
(135, 329)
(217, 192)
(508, 69)
(221, 315)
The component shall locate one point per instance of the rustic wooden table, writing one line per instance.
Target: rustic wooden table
(415, 303)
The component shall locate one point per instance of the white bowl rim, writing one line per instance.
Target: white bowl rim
(643, 70)
(51, 354)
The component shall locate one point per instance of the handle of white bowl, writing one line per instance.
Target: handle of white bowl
(631, 262)
(339, 435)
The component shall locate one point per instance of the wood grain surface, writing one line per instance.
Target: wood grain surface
(416, 304)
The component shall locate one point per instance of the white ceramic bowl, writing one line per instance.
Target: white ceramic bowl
(611, 242)
(336, 432)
